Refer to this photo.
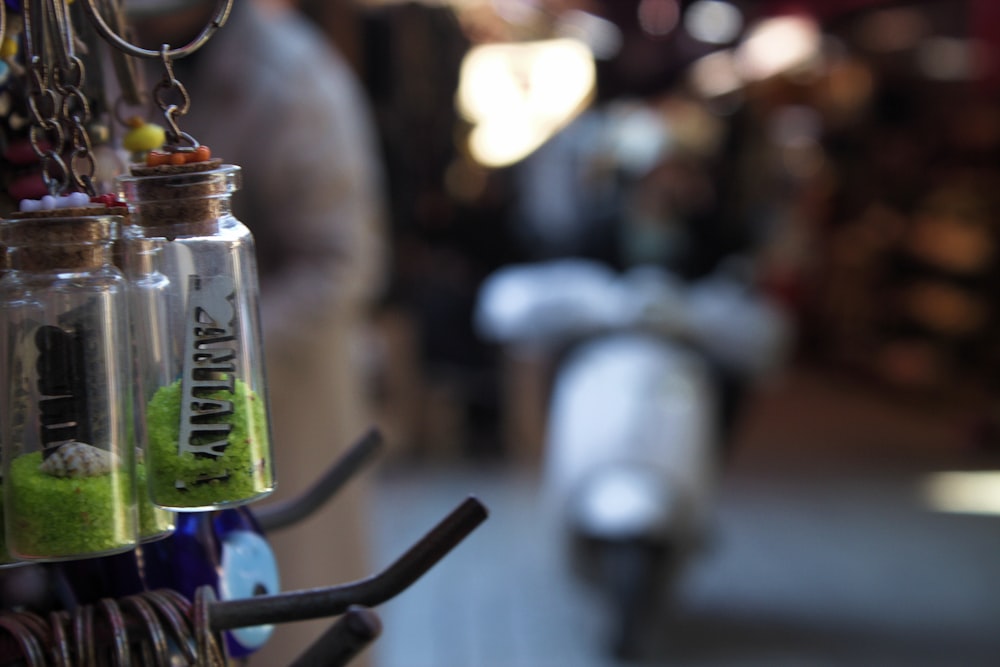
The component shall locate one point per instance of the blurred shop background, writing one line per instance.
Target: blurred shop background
(850, 147)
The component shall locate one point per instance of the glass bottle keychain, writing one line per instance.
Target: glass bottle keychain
(193, 268)
(69, 479)
(69, 464)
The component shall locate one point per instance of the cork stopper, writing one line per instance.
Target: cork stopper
(61, 239)
(189, 198)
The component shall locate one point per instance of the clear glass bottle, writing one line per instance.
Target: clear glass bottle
(192, 270)
(69, 476)
(155, 522)
(5, 558)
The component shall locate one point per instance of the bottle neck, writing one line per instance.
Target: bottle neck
(188, 202)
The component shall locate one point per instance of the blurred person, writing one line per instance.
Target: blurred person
(270, 93)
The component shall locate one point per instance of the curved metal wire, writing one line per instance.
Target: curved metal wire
(221, 16)
(30, 647)
(156, 650)
(176, 609)
(61, 656)
(83, 636)
(211, 647)
(119, 633)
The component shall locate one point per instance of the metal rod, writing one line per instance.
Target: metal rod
(284, 514)
(316, 603)
(343, 641)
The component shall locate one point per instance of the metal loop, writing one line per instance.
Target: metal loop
(83, 636)
(70, 75)
(119, 632)
(36, 624)
(30, 647)
(129, 75)
(220, 18)
(157, 639)
(42, 101)
(177, 610)
(61, 656)
(75, 106)
(210, 646)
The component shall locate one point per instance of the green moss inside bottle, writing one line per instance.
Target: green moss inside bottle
(241, 473)
(56, 517)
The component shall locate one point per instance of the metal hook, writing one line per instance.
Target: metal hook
(281, 515)
(343, 640)
(220, 18)
(332, 601)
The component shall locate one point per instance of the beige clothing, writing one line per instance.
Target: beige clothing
(268, 94)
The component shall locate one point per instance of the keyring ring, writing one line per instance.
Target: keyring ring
(221, 16)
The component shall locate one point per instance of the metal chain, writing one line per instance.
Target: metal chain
(169, 86)
(75, 115)
(46, 132)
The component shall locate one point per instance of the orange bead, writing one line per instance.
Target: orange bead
(176, 158)
(156, 158)
(201, 154)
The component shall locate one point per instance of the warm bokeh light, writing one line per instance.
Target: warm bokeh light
(777, 45)
(715, 75)
(964, 492)
(518, 95)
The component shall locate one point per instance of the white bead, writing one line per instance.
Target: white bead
(78, 199)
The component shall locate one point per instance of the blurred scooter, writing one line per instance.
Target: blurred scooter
(645, 368)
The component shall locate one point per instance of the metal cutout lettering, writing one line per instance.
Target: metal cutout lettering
(209, 368)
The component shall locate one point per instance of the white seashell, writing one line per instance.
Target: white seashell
(78, 459)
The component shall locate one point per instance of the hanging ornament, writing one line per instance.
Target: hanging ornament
(69, 476)
(192, 267)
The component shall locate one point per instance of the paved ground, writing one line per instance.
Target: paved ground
(824, 553)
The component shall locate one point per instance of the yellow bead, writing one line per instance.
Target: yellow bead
(8, 48)
(143, 138)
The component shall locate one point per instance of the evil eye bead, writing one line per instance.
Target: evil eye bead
(248, 569)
